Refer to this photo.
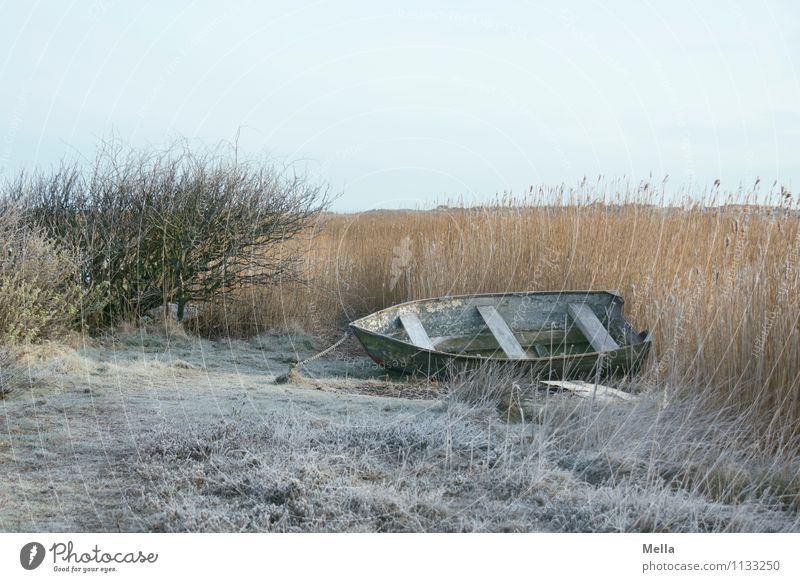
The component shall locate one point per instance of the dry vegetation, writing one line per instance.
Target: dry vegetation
(710, 444)
(461, 468)
(166, 225)
(40, 292)
(719, 285)
(149, 431)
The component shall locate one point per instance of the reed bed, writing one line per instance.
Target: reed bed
(717, 283)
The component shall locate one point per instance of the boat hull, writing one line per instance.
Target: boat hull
(387, 346)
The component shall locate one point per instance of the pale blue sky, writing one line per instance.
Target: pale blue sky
(404, 105)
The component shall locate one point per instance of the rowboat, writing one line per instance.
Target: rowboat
(558, 334)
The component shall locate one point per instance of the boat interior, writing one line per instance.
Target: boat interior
(517, 327)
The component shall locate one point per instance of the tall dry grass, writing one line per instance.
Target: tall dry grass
(718, 284)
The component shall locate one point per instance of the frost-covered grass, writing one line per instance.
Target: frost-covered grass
(462, 466)
(148, 432)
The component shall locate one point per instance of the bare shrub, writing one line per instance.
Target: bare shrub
(174, 225)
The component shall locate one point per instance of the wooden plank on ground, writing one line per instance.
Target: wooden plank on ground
(502, 332)
(587, 390)
(416, 333)
(592, 328)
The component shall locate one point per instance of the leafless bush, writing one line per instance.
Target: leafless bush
(172, 226)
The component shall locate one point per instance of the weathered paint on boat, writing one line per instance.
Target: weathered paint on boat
(555, 347)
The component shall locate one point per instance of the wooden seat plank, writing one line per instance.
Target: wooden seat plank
(416, 332)
(592, 327)
(502, 333)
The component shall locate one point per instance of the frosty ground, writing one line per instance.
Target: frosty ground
(145, 431)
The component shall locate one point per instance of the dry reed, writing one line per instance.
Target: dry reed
(718, 284)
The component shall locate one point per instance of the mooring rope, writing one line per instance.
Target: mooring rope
(323, 352)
